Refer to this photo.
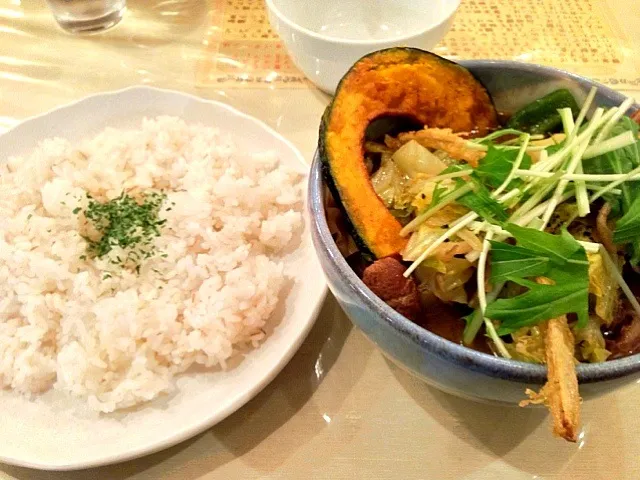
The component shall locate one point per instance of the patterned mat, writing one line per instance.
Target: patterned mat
(582, 36)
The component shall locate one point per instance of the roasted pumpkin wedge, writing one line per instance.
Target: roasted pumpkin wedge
(396, 82)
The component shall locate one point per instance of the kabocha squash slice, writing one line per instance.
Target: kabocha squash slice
(396, 82)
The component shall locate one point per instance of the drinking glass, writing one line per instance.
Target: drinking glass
(87, 16)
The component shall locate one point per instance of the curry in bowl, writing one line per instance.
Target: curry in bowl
(519, 236)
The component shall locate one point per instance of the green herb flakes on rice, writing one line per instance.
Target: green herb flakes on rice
(74, 318)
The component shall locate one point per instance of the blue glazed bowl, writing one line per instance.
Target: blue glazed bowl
(442, 363)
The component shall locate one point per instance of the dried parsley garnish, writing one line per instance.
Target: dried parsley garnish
(126, 222)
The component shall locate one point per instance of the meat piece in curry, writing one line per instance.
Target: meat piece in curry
(385, 278)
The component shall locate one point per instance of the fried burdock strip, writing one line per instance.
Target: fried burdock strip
(560, 393)
(562, 381)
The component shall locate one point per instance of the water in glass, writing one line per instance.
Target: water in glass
(87, 16)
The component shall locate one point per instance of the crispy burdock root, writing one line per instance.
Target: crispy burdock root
(444, 139)
(562, 382)
(384, 278)
(560, 393)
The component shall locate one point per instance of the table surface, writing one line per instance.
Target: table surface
(338, 409)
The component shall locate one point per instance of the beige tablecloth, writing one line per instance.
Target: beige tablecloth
(339, 410)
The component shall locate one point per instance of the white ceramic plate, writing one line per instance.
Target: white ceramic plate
(58, 433)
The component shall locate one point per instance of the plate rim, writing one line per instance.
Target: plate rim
(245, 396)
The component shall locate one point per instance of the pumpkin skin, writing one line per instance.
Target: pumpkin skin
(395, 82)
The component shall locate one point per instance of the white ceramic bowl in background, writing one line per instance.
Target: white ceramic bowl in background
(325, 38)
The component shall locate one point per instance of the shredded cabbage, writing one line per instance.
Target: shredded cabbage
(413, 159)
(528, 344)
(590, 343)
(419, 241)
(471, 238)
(448, 280)
(388, 181)
(564, 214)
(422, 239)
(604, 287)
(392, 186)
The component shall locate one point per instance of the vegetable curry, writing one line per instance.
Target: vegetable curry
(519, 238)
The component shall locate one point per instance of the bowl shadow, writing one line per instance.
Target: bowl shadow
(520, 437)
(281, 400)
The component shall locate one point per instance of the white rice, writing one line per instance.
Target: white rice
(119, 341)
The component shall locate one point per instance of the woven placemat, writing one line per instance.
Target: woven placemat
(241, 49)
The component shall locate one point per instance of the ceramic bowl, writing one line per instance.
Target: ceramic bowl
(441, 363)
(325, 38)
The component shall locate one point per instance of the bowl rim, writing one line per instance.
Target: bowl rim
(490, 365)
(452, 4)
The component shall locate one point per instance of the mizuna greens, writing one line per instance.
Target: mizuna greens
(532, 230)
(510, 198)
(560, 258)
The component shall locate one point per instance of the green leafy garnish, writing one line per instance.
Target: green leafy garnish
(477, 197)
(628, 226)
(545, 276)
(479, 200)
(623, 160)
(559, 247)
(496, 165)
(509, 261)
(551, 149)
(560, 258)
(126, 223)
(438, 193)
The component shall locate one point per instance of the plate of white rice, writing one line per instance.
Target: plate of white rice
(155, 274)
